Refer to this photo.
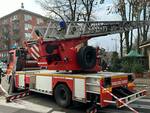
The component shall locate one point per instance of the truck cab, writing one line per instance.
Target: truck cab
(18, 60)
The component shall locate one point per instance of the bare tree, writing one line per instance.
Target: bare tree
(70, 10)
(88, 6)
(131, 10)
(140, 7)
(64, 9)
(121, 9)
(146, 17)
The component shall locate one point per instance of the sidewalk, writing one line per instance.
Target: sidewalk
(143, 83)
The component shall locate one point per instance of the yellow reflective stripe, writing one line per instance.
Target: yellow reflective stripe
(54, 75)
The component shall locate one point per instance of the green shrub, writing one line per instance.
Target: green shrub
(126, 67)
(115, 64)
(137, 68)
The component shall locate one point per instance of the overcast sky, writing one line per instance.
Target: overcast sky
(8, 6)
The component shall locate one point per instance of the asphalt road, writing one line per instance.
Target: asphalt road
(39, 103)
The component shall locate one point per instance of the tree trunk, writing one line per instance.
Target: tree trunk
(127, 41)
(138, 40)
(131, 38)
(121, 45)
(144, 28)
(124, 18)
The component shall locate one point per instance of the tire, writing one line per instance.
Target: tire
(62, 95)
(86, 57)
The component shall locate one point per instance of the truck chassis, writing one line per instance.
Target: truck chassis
(102, 89)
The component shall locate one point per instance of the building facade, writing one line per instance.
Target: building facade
(146, 45)
(17, 27)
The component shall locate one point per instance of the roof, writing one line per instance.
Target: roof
(24, 11)
(145, 44)
(134, 53)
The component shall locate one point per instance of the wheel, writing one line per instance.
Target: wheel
(86, 57)
(62, 95)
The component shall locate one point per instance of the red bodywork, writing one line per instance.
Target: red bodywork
(69, 82)
(66, 50)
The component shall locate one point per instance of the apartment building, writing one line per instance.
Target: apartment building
(17, 27)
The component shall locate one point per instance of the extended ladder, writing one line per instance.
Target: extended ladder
(101, 28)
(82, 28)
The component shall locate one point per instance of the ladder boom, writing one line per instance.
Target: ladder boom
(101, 28)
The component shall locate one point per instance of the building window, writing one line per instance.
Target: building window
(27, 26)
(27, 35)
(27, 17)
(15, 17)
(39, 20)
(5, 46)
(5, 21)
(15, 26)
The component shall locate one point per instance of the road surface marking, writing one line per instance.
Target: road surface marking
(144, 100)
(139, 106)
(58, 112)
(22, 104)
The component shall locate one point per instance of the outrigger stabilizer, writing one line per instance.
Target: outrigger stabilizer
(119, 102)
(17, 96)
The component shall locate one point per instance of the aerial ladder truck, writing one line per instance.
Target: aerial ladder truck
(56, 61)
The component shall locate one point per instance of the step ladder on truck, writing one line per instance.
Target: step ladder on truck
(55, 61)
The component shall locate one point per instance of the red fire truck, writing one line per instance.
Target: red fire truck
(56, 61)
